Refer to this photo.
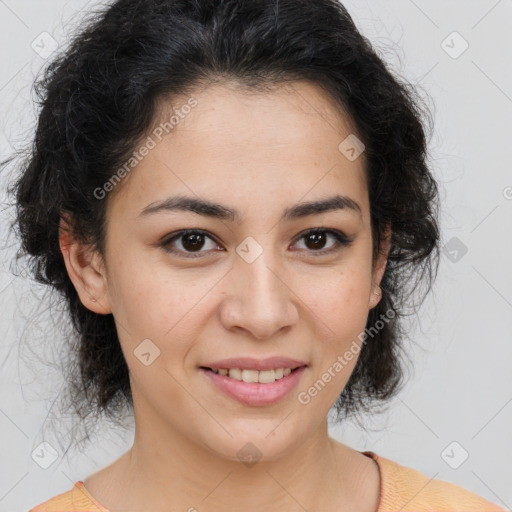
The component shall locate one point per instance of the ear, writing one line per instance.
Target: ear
(379, 268)
(85, 269)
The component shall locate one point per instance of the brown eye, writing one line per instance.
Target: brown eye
(316, 239)
(191, 241)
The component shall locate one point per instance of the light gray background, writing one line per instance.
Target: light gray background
(461, 390)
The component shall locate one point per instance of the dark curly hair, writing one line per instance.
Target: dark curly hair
(99, 97)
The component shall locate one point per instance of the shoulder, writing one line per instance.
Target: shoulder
(406, 489)
(77, 500)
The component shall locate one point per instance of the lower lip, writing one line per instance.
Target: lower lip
(255, 393)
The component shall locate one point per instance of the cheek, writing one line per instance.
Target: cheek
(338, 298)
(348, 320)
(341, 312)
(163, 307)
(141, 295)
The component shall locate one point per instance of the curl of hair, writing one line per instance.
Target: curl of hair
(100, 97)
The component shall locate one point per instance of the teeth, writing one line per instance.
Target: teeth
(266, 376)
(250, 375)
(263, 377)
(235, 373)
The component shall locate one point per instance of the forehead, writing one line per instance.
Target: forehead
(282, 144)
(284, 114)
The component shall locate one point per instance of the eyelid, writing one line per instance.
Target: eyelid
(342, 241)
(167, 240)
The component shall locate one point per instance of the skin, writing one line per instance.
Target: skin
(259, 154)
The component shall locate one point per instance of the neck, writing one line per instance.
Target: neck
(318, 475)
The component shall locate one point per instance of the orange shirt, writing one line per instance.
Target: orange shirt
(402, 489)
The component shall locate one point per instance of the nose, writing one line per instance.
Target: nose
(258, 298)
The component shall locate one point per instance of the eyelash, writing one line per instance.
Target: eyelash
(341, 241)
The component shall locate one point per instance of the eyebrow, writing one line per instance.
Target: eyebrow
(218, 211)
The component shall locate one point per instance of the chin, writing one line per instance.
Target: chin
(251, 446)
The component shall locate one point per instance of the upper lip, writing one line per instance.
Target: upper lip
(249, 363)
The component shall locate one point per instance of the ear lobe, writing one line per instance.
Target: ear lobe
(379, 268)
(85, 269)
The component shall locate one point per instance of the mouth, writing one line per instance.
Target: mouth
(254, 376)
(254, 388)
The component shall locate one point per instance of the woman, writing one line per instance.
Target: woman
(233, 198)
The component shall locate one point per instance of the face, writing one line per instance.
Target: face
(256, 277)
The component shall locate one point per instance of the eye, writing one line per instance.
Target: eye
(190, 240)
(193, 240)
(315, 240)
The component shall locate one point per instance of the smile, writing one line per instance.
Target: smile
(253, 387)
(263, 376)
